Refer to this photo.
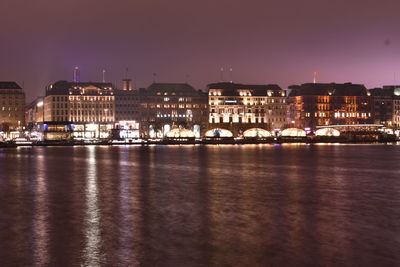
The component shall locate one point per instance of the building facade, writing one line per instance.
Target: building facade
(383, 106)
(165, 106)
(87, 107)
(387, 105)
(127, 111)
(127, 104)
(237, 107)
(34, 113)
(12, 103)
(319, 104)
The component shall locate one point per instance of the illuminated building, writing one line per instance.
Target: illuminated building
(34, 112)
(319, 104)
(166, 106)
(238, 107)
(127, 111)
(387, 105)
(12, 106)
(34, 116)
(87, 106)
(127, 106)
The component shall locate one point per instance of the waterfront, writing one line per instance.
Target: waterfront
(200, 205)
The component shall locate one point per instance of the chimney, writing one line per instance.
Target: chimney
(127, 85)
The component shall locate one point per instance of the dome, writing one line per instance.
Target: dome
(293, 132)
(327, 132)
(256, 132)
(180, 133)
(218, 133)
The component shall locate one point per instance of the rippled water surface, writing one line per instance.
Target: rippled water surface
(249, 205)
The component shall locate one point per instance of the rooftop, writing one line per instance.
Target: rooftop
(232, 89)
(386, 91)
(64, 87)
(181, 89)
(9, 85)
(331, 89)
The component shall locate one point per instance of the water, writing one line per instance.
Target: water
(228, 205)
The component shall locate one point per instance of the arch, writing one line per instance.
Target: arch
(294, 132)
(256, 132)
(327, 132)
(217, 132)
(180, 133)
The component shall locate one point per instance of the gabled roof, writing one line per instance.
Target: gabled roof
(332, 89)
(9, 85)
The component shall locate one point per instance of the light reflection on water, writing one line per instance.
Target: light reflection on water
(128, 226)
(256, 205)
(41, 215)
(92, 253)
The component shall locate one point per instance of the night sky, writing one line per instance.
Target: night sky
(263, 41)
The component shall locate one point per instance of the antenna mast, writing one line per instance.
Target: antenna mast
(315, 77)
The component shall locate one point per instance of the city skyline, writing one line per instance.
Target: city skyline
(263, 42)
(199, 133)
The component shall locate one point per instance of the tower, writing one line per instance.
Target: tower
(77, 75)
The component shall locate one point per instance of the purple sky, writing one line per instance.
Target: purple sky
(280, 41)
